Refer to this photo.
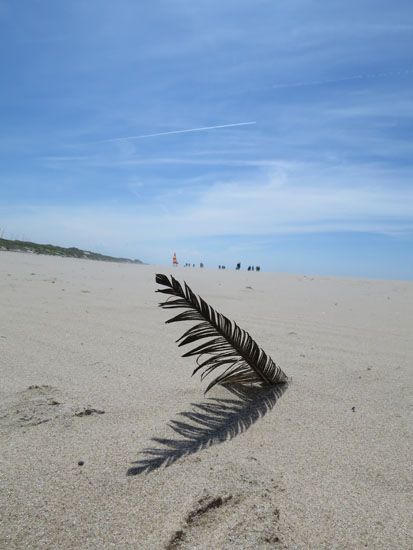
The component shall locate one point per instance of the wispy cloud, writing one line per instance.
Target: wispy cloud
(279, 204)
(101, 161)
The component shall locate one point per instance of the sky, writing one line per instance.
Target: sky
(107, 142)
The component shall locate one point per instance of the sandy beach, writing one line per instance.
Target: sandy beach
(91, 377)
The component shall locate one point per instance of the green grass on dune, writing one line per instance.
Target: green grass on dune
(52, 250)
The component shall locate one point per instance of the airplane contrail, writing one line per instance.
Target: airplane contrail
(362, 76)
(182, 131)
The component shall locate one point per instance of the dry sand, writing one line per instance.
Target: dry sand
(90, 372)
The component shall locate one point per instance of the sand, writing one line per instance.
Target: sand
(90, 374)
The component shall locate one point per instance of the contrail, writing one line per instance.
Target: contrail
(181, 131)
(362, 76)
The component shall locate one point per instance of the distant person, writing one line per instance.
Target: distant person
(249, 268)
(238, 266)
(223, 267)
(201, 265)
(252, 268)
(219, 267)
(257, 268)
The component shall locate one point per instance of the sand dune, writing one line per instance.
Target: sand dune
(91, 377)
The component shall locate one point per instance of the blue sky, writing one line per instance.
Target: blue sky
(321, 183)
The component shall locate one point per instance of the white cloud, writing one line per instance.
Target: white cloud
(291, 203)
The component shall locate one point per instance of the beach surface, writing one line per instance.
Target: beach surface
(91, 377)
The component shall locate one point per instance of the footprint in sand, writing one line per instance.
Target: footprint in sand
(39, 404)
(210, 520)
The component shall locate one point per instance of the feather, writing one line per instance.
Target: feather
(224, 344)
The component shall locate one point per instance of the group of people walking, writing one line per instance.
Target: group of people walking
(237, 267)
(250, 267)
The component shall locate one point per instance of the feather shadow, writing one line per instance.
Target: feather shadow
(208, 423)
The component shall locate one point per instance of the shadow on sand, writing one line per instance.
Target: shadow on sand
(208, 423)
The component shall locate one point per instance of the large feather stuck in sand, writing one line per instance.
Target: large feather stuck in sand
(228, 346)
